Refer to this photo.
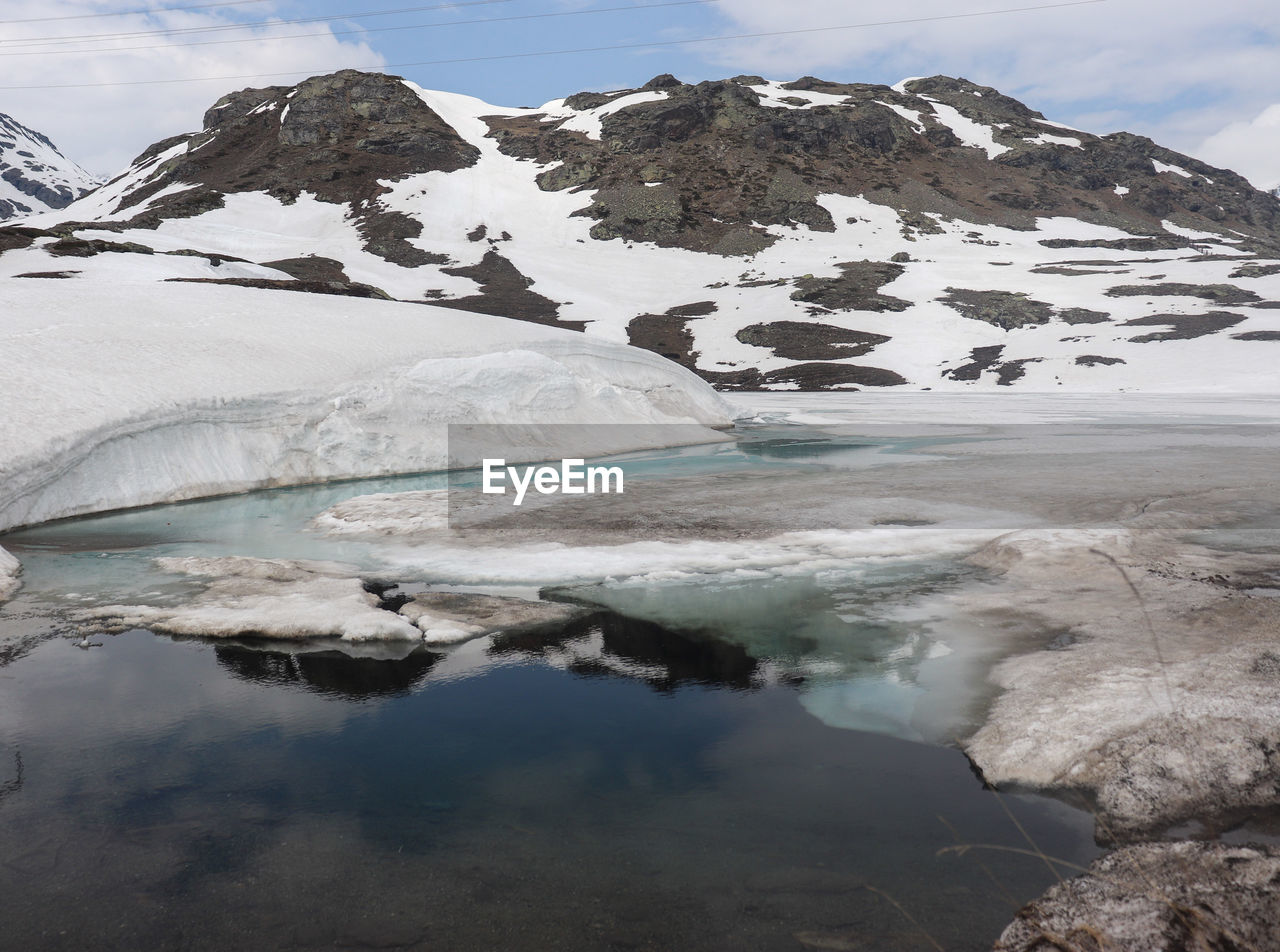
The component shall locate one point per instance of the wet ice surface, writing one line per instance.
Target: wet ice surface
(733, 737)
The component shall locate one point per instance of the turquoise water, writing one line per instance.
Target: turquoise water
(719, 762)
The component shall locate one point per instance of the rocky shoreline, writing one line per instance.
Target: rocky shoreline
(1162, 709)
(1158, 897)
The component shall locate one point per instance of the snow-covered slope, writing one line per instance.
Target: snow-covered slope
(767, 235)
(124, 393)
(34, 176)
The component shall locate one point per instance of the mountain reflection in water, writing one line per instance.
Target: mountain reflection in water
(627, 647)
(328, 672)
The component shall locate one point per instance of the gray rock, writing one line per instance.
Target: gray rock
(1159, 897)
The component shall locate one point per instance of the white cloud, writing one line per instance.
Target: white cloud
(1251, 148)
(103, 127)
(1173, 70)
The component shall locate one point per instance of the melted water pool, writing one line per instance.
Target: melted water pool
(656, 792)
(660, 773)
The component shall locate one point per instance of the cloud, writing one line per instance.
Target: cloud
(1172, 70)
(106, 125)
(1251, 148)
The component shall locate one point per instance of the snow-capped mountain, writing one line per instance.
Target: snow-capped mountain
(34, 176)
(933, 234)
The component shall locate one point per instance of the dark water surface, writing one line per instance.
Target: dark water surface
(612, 784)
(659, 792)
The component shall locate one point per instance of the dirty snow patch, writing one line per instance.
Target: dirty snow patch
(9, 569)
(271, 598)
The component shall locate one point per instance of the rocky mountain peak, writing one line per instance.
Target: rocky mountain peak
(34, 175)
(736, 156)
(337, 137)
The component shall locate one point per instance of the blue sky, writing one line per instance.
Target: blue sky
(1200, 78)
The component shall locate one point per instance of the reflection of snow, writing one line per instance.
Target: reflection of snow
(883, 705)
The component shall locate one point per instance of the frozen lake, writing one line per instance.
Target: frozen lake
(744, 735)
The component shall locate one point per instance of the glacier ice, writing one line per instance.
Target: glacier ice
(117, 396)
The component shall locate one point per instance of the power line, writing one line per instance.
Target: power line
(183, 31)
(380, 29)
(131, 13)
(586, 49)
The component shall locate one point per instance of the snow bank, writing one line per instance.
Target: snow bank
(9, 569)
(124, 395)
(286, 599)
(1146, 699)
(266, 597)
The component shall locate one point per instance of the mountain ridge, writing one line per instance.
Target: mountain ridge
(34, 174)
(765, 234)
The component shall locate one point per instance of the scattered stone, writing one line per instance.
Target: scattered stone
(1004, 309)
(824, 376)
(668, 333)
(980, 359)
(215, 260)
(1183, 326)
(1082, 315)
(1255, 271)
(16, 236)
(1217, 293)
(505, 291)
(983, 359)
(311, 268)
(1074, 272)
(857, 288)
(1150, 243)
(347, 289)
(1095, 360)
(798, 340)
(86, 248)
(918, 223)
